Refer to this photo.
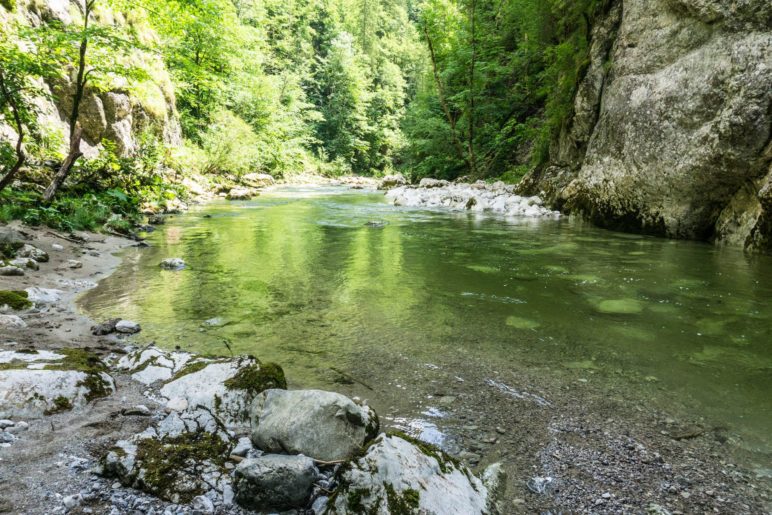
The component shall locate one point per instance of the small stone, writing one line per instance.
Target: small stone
(6, 437)
(127, 327)
(140, 410)
(500, 430)
(57, 247)
(6, 423)
(71, 501)
(105, 327)
(243, 446)
(74, 263)
(202, 504)
(12, 322)
(10, 271)
(18, 428)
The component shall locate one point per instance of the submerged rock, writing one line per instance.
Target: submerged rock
(172, 264)
(275, 482)
(326, 426)
(401, 475)
(38, 383)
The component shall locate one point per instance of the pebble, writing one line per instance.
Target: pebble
(6, 423)
(57, 247)
(71, 501)
(501, 430)
(139, 410)
(202, 504)
(74, 263)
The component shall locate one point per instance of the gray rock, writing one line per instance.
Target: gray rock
(12, 322)
(323, 425)
(202, 504)
(127, 327)
(105, 327)
(4, 423)
(243, 447)
(172, 264)
(32, 252)
(23, 262)
(274, 481)
(258, 180)
(43, 295)
(432, 183)
(74, 263)
(396, 474)
(241, 194)
(10, 271)
(392, 181)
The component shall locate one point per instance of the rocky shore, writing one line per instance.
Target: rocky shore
(91, 422)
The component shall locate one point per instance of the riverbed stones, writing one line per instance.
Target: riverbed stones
(323, 425)
(398, 475)
(275, 482)
(32, 252)
(36, 383)
(172, 264)
(178, 460)
(392, 181)
(26, 263)
(478, 197)
(258, 180)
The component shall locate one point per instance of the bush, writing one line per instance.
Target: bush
(230, 145)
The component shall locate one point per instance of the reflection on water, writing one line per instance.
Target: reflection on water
(296, 276)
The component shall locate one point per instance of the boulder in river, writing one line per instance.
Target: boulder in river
(326, 426)
(392, 181)
(32, 252)
(127, 327)
(402, 475)
(35, 383)
(172, 264)
(241, 194)
(275, 482)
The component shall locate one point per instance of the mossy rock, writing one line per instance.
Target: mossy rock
(16, 299)
(258, 378)
(165, 464)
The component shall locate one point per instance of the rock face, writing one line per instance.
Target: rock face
(122, 112)
(671, 131)
(399, 476)
(323, 425)
(275, 482)
(478, 197)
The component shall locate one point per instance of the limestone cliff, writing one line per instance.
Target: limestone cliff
(671, 132)
(121, 113)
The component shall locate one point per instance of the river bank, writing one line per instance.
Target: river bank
(565, 444)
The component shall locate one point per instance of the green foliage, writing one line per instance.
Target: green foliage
(15, 299)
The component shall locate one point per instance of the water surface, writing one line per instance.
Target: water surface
(298, 277)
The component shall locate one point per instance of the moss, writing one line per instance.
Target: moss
(355, 502)
(9, 248)
(16, 299)
(61, 403)
(405, 503)
(148, 362)
(189, 368)
(257, 378)
(165, 463)
(82, 360)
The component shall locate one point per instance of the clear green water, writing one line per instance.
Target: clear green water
(296, 277)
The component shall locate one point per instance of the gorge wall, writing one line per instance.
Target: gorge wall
(122, 111)
(672, 124)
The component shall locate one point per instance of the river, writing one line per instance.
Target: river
(297, 276)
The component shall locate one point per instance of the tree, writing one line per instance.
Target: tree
(98, 51)
(18, 68)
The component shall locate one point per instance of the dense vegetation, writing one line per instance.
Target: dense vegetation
(439, 88)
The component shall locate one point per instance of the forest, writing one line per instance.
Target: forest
(433, 88)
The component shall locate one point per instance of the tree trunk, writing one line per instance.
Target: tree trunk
(472, 114)
(64, 170)
(443, 102)
(20, 157)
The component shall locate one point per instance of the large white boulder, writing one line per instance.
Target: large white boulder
(326, 426)
(399, 476)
